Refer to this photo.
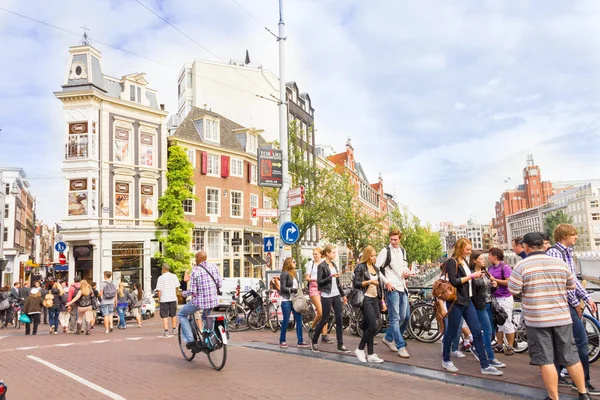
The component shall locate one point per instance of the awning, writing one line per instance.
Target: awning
(252, 260)
(253, 239)
(260, 260)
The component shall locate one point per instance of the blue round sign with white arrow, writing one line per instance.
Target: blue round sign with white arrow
(289, 232)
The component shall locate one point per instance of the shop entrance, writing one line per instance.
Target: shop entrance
(128, 262)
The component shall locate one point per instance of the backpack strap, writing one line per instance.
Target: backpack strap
(562, 252)
(388, 260)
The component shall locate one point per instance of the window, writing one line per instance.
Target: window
(253, 173)
(131, 92)
(226, 245)
(6, 210)
(211, 130)
(212, 201)
(213, 244)
(596, 217)
(267, 203)
(122, 200)
(236, 248)
(191, 155)
(597, 242)
(236, 204)
(237, 167)
(146, 150)
(139, 95)
(251, 143)
(189, 79)
(78, 199)
(5, 234)
(253, 202)
(596, 229)
(213, 165)
(122, 146)
(247, 246)
(198, 240)
(594, 204)
(7, 189)
(147, 201)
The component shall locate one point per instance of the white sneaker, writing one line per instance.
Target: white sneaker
(374, 359)
(458, 354)
(403, 353)
(491, 371)
(449, 366)
(360, 354)
(391, 345)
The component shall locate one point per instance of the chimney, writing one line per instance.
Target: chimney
(206, 106)
(162, 107)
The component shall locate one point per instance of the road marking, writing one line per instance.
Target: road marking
(27, 348)
(100, 341)
(133, 338)
(79, 379)
(64, 344)
(3, 337)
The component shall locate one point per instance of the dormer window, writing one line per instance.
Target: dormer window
(209, 130)
(135, 94)
(251, 143)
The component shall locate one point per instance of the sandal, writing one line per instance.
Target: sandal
(283, 345)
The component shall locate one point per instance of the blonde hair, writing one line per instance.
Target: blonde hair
(121, 289)
(318, 250)
(328, 249)
(366, 254)
(562, 231)
(58, 286)
(85, 288)
(459, 247)
(288, 265)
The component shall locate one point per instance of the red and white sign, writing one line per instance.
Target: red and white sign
(299, 191)
(265, 212)
(62, 259)
(295, 201)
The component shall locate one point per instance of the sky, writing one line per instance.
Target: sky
(444, 98)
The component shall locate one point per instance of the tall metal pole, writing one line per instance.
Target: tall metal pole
(284, 213)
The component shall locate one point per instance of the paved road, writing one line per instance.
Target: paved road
(139, 364)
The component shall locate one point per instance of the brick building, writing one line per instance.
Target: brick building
(223, 154)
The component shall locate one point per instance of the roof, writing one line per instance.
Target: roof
(338, 159)
(187, 129)
(376, 186)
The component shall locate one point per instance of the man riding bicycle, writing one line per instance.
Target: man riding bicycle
(204, 281)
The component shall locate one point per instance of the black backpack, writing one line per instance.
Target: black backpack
(388, 259)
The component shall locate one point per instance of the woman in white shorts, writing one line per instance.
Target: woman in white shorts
(500, 273)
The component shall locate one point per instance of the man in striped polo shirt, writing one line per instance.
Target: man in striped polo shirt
(543, 282)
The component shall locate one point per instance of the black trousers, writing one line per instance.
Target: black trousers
(371, 313)
(35, 320)
(327, 303)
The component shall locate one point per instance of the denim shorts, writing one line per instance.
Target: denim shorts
(107, 309)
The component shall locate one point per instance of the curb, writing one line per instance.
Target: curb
(508, 389)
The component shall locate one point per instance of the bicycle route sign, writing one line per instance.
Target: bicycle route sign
(60, 247)
(289, 232)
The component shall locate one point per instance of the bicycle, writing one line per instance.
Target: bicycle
(422, 324)
(235, 313)
(260, 309)
(212, 341)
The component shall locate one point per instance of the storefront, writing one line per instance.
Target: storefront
(128, 261)
(84, 262)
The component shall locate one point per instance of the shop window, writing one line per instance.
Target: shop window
(122, 146)
(78, 198)
(147, 201)
(147, 150)
(122, 200)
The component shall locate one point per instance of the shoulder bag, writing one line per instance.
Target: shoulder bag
(213, 278)
(299, 302)
(443, 289)
(498, 314)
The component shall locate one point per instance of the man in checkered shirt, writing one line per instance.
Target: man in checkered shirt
(204, 281)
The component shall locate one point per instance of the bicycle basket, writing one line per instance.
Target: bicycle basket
(252, 299)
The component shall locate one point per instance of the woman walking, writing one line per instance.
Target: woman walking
(57, 304)
(500, 273)
(7, 298)
(328, 279)
(122, 304)
(289, 287)
(482, 300)
(84, 307)
(315, 297)
(33, 309)
(137, 295)
(368, 280)
(460, 276)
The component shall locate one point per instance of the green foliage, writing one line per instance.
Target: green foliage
(554, 219)
(420, 243)
(176, 242)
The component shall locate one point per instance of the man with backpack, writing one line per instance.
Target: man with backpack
(393, 265)
(108, 300)
(565, 236)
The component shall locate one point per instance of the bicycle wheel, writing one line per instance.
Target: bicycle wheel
(185, 352)
(273, 320)
(257, 319)
(236, 318)
(593, 332)
(520, 345)
(422, 324)
(359, 322)
(217, 356)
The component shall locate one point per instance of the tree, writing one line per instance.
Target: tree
(176, 243)
(554, 219)
(420, 243)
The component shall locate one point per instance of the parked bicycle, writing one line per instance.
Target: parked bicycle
(262, 308)
(236, 315)
(212, 341)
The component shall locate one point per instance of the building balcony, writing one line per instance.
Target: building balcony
(74, 151)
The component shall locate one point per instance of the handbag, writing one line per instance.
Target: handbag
(498, 314)
(299, 302)
(24, 319)
(442, 289)
(356, 298)
(95, 303)
(4, 304)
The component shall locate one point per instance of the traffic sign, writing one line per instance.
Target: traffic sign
(289, 232)
(58, 237)
(265, 212)
(268, 243)
(295, 201)
(299, 191)
(62, 259)
(60, 247)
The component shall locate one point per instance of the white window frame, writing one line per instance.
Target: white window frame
(231, 204)
(201, 242)
(193, 212)
(213, 249)
(191, 155)
(218, 191)
(234, 170)
(267, 202)
(226, 243)
(153, 149)
(253, 174)
(216, 159)
(211, 130)
(253, 202)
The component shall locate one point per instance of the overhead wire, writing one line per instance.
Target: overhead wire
(132, 53)
(254, 18)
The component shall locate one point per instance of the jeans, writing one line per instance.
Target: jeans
(581, 341)
(121, 312)
(370, 309)
(486, 327)
(53, 317)
(184, 322)
(286, 309)
(398, 314)
(470, 315)
(456, 340)
(328, 303)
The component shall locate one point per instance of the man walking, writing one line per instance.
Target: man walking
(543, 282)
(167, 286)
(108, 301)
(392, 263)
(565, 236)
(204, 281)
